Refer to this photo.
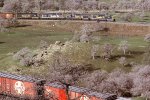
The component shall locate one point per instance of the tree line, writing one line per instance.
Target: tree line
(84, 5)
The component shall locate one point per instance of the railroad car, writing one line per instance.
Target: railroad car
(79, 93)
(98, 17)
(35, 16)
(28, 88)
(77, 16)
(24, 15)
(86, 16)
(18, 86)
(68, 16)
(28, 16)
(7, 15)
(55, 91)
(53, 16)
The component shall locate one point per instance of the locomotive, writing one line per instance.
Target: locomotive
(28, 88)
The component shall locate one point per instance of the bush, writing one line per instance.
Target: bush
(25, 56)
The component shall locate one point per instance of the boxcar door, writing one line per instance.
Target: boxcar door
(0, 84)
(3, 82)
(8, 86)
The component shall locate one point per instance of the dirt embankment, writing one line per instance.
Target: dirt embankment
(112, 27)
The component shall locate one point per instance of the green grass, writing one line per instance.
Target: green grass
(135, 18)
(31, 36)
(139, 98)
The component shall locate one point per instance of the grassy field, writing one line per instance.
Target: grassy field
(30, 36)
(135, 17)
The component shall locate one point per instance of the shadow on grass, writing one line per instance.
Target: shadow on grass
(23, 26)
(130, 54)
(2, 42)
(137, 52)
(122, 55)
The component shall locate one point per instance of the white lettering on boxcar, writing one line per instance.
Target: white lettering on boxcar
(84, 97)
(19, 87)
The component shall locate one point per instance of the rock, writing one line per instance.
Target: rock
(58, 43)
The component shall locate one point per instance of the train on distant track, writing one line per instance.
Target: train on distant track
(28, 88)
(61, 16)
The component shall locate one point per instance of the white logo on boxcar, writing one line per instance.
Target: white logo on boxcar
(19, 87)
(84, 97)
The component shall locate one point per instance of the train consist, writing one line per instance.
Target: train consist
(28, 88)
(63, 16)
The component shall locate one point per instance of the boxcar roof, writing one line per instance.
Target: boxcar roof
(88, 92)
(17, 77)
(56, 85)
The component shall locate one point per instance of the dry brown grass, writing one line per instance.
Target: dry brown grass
(131, 29)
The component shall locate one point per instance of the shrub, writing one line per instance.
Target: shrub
(25, 56)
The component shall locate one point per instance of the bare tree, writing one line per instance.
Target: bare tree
(65, 72)
(147, 38)
(85, 38)
(43, 45)
(76, 36)
(27, 5)
(25, 56)
(103, 5)
(118, 82)
(86, 33)
(3, 24)
(122, 61)
(71, 5)
(12, 6)
(127, 17)
(94, 50)
(107, 51)
(93, 80)
(141, 80)
(146, 59)
(123, 46)
(87, 30)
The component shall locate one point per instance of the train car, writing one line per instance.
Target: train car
(7, 15)
(79, 93)
(110, 18)
(24, 15)
(102, 17)
(98, 17)
(35, 16)
(28, 16)
(68, 16)
(77, 16)
(86, 16)
(55, 91)
(18, 86)
(53, 16)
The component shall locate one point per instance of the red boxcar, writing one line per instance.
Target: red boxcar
(55, 91)
(7, 15)
(18, 86)
(79, 93)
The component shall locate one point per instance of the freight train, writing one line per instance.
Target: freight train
(28, 88)
(62, 16)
